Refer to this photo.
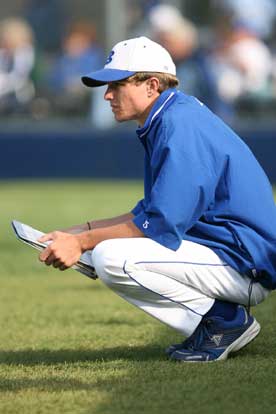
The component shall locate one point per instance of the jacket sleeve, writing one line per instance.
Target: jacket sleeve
(138, 208)
(184, 183)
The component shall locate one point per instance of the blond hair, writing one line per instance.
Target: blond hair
(16, 32)
(166, 80)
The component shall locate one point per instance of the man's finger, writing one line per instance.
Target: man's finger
(44, 254)
(50, 260)
(57, 263)
(46, 237)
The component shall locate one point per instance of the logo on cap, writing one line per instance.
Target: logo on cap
(109, 59)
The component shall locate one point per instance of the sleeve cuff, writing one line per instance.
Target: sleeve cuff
(155, 228)
(138, 208)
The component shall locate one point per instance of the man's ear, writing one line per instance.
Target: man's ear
(153, 85)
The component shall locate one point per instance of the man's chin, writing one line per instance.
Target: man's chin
(121, 118)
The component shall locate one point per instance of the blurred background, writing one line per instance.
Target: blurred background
(69, 345)
(53, 126)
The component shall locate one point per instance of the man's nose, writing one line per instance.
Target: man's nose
(108, 94)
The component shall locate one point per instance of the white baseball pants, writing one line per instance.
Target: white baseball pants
(176, 287)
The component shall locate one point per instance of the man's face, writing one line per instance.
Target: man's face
(129, 100)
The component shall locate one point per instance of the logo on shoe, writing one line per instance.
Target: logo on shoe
(217, 339)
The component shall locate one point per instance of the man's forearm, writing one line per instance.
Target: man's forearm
(95, 224)
(89, 239)
(124, 218)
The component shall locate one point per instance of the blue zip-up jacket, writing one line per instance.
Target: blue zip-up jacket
(203, 184)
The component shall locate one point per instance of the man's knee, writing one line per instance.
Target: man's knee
(100, 257)
(108, 261)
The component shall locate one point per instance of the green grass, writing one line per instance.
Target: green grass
(69, 345)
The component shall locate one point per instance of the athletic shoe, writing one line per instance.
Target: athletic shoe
(215, 338)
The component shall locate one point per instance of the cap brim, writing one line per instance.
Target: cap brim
(104, 76)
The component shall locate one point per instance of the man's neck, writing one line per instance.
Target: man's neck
(143, 117)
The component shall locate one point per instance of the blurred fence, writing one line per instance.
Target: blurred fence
(84, 153)
(95, 154)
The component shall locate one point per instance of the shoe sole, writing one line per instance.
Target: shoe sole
(242, 341)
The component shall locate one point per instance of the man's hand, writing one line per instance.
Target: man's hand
(63, 252)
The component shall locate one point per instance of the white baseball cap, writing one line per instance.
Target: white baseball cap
(130, 56)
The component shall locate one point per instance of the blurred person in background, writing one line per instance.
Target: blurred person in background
(80, 51)
(181, 38)
(17, 59)
(241, 62)
(258, 15)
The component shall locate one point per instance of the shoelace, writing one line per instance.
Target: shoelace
(201, 333)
